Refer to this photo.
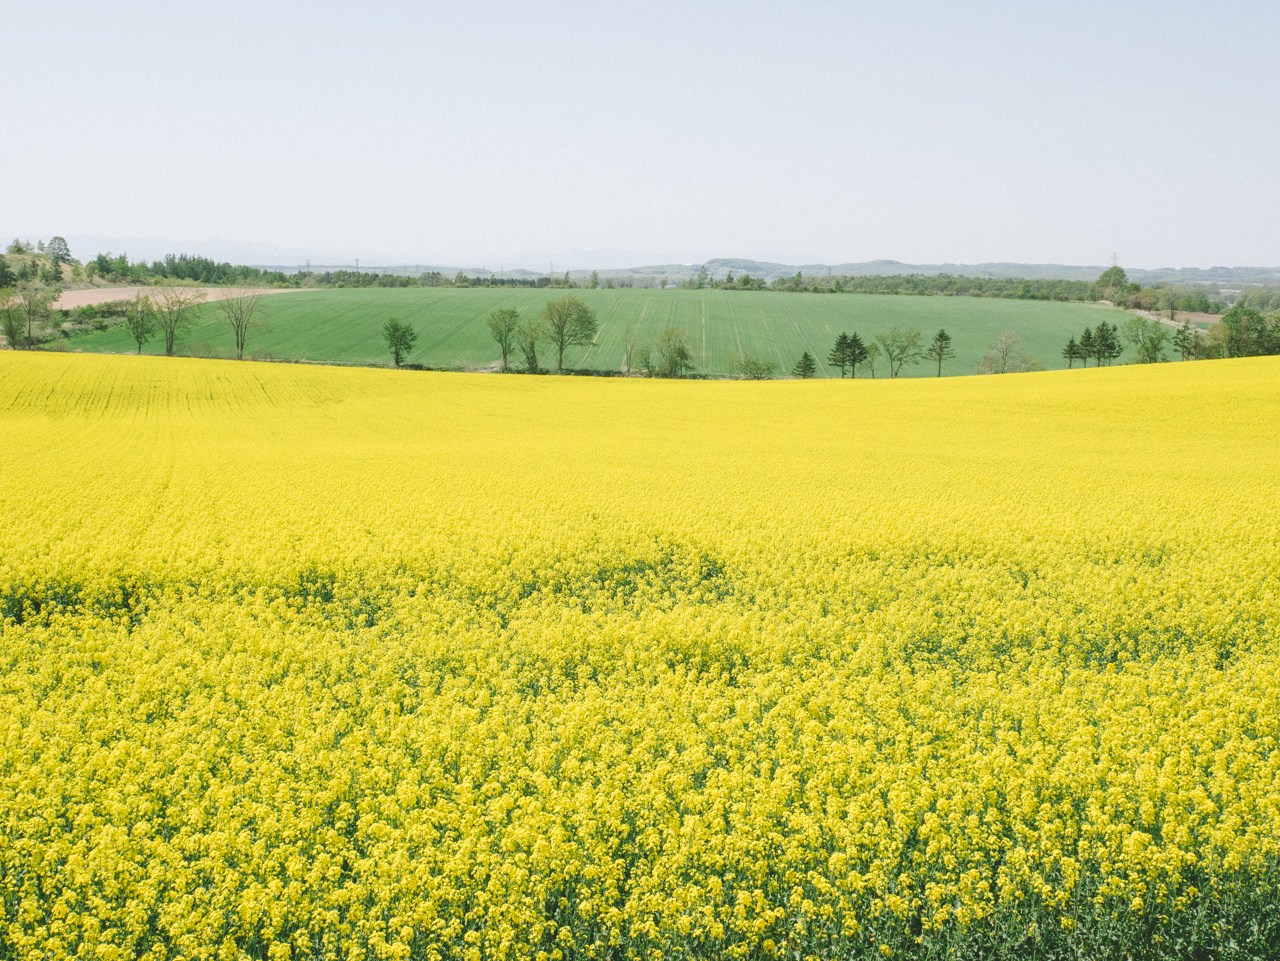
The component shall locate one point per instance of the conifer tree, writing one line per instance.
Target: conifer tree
(1106, 343)
(1071, 352)
(1085, 346)
(839, 356)
(805, 367)
(856, 353)
(940, 349)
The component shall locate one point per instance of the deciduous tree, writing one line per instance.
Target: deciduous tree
(57, 251)
(1005, 356)
(503, 325)
(36, 300)
(11, 317)
(1170, 299)
(568, 322)
(1248, 334)
(1187, 340)
(901, 347)
(140, 320)
(753, 368)
(174, 303)
(670, 355)
(871, 356)
(529, 335)
(1147, 336)
(400, 339)
(1113, 277)
(242, 311)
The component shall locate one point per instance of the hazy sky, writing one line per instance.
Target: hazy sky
(495, 134)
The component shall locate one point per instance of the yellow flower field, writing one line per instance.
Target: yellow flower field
(326, 663)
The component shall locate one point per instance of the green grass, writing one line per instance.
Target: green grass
(345, 325)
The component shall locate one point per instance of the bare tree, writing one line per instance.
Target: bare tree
(628, 351)
(242, 312)
(174, 303)
(870, 358)
(1006, 347)
(36, 300)
(1005, 356)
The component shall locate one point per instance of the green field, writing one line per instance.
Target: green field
(345, 325)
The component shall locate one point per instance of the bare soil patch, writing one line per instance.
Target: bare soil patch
(101, 295)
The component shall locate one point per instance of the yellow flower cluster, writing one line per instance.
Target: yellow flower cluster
(320, 663)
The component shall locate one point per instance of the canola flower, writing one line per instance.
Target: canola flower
(321, 663)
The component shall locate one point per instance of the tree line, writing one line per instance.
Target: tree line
(1242, 332)
(1112, 286)
(166, 310)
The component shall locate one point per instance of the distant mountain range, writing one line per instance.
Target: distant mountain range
(770, 271)
(720, 266)
(293, 259)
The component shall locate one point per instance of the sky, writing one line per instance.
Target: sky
(614, 134)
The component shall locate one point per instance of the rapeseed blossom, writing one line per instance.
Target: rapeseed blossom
(322, 663)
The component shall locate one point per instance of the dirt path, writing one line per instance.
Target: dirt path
(101, 295)
(1200, 321)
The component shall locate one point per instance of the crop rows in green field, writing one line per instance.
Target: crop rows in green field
(344, 325)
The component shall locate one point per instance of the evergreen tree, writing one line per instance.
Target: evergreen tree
(805, 366)
(839, 356)
(1085, 347)
(940, 349)
(1187, 340)
(857, 353)
(1106, 343)
(1071, 353)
